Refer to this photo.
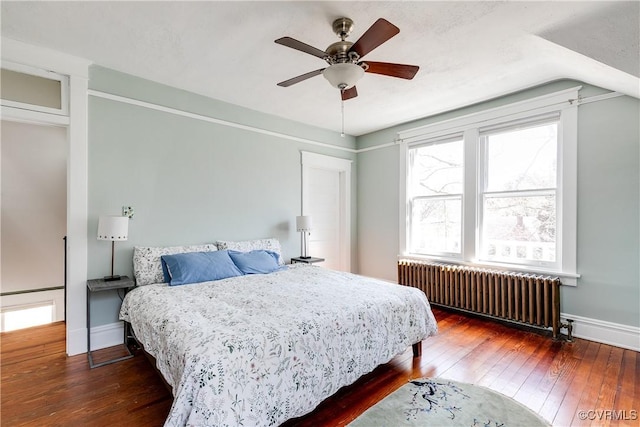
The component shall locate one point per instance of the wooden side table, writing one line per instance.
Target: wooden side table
(310, 260)
(99, 285)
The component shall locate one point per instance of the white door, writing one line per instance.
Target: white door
(326, 197)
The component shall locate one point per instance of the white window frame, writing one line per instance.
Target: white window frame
(565, 104)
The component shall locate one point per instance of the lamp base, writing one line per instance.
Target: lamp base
(111, 278)
(304, 257)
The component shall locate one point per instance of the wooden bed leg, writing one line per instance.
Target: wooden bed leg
(417, 349)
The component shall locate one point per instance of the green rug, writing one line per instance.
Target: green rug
(440, 402)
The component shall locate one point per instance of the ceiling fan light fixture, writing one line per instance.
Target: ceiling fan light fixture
(343, 75)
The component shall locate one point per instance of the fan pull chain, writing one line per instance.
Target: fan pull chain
(342, 133)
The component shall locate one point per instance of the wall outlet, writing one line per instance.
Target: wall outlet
(127, 211)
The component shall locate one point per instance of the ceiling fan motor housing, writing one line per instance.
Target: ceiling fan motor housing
(339, 52)
(342, 27)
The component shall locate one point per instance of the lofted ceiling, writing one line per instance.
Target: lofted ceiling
(468, 52)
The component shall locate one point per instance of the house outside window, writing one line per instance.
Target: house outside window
(496, 188)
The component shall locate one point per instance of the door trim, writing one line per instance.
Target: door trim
(77, 175)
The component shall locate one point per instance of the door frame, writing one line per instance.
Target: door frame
(310, 161)
(77, 69)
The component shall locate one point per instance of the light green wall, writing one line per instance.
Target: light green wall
(190, 181)
(608, 204)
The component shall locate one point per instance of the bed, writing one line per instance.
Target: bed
(259, 349)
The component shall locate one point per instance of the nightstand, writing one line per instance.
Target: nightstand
(99, 285)
(310, 260)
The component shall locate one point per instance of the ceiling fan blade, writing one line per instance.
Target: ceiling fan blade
(394, 70)
(349, 93)
(381, 31)
(303, 47)
(300, 78)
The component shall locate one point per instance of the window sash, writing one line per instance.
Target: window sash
(412, 226)
(531, 247)
(412, 199)
(483, 194)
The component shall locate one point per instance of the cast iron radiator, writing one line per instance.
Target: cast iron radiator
(527, 299)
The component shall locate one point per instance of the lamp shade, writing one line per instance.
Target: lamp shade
(343, 75)
(303, 223)
(113, 227)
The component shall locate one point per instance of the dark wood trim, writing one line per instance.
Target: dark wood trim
(417, 349)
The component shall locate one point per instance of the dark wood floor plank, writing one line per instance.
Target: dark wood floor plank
(608, 391)
(531, 345)
(554, 385)
(569, 406)
(40, 385)
(628, 390)
(566, 375)
(475, 363)
(596, 378)
(538, 373)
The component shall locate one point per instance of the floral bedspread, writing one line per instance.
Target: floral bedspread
(260, 349)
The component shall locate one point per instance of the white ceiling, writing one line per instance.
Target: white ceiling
(467, 51)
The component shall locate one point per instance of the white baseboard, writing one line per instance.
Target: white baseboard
(104, 336)
(76, 341)
(604, 332)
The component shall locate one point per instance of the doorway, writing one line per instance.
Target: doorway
(326, 197)
(33, 205)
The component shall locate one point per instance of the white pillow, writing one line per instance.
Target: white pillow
(272, 245)
(147, 266)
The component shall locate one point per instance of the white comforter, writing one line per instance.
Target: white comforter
(260, 349)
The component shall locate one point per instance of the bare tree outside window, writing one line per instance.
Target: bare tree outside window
(436, 198)
(519, 202)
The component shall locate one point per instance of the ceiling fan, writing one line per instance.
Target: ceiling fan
(345, 58)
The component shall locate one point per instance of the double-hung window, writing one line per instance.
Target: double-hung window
(435, 188)
(518, 193)
(496, 188)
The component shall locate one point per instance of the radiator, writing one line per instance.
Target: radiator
(527, 299)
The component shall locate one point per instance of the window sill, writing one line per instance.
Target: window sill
(568, 279)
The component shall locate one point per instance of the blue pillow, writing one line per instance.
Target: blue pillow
(256, 262)
(194, 267)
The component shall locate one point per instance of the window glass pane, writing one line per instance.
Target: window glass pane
(436, 226)
(520, 229)
(30, 89)
(522, 159)
(437, 169)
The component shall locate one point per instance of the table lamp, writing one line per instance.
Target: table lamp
(303, 224)
(113, 228)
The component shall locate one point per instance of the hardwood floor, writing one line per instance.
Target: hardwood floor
(40, 386)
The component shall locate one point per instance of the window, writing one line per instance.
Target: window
(33, 89)
(518, 196)
(495, 188)
(435, 187)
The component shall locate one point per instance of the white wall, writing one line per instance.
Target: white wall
(34, 198)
